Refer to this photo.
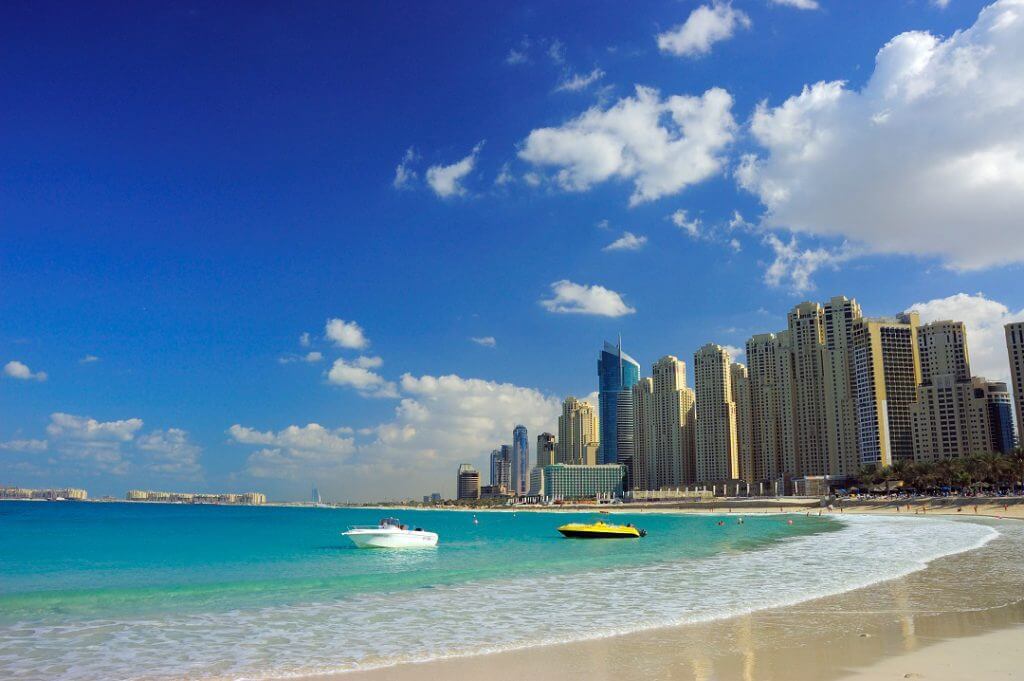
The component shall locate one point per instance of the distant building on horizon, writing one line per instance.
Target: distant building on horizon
(563, 481)
(467, 482)
(546, 446)
(617, 372)
(501, 467)
(663, 408)
(520, 459)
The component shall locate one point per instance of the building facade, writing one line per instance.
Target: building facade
(501, 467)
(1015, 352)
(520, 459)
(717, 458)
(467, 482)
(546, 454)
(807, 331)
(886, 372)
(739, 379)
(772, 405)
(578, 435)
(563, 481)
(839, 315)
(616, 372)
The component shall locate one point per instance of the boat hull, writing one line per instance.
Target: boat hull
(392, 540)
(589, 534)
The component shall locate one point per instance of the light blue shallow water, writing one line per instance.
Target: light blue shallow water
(161, 591)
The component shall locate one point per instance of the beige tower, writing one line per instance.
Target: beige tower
(807, 330)
(577, 433)
(717, 458)
(671, 426)
(886, 373)
(744, 421)
(770, 370)
(840, 407)
(643, 435)
(1015, 350)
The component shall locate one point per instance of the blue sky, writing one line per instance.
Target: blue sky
(186, 190)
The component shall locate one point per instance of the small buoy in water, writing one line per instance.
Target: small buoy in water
(789, 522)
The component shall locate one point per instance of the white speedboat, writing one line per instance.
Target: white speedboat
(390, 534)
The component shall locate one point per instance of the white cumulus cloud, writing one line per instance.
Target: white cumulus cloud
(706, 25)
(446, 181)
(661, 145)
(681, 220)
(19, 370)
(405, 175)
(486, 341)
(170, 452)
(926, 159)
(572, 298)
(346, 334)
(627, 242)
(367, 382)
(984, 319)
(794, 266)
(296, 452)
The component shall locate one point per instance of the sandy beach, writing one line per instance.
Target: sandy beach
(961, 617)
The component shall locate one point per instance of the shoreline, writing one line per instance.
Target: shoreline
(865, 632)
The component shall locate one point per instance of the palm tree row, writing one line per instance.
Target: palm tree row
(1000, 471)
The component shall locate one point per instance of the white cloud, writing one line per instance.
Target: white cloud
(89, 359)
(16, 369)
(984, 319)
(71, 427)
(368, 383)
(941, 4)
(505, 176)
(579, 81)
(304, 339)
(369, 362)
(926, 159)
(661, 145)
(313, 356)
(169, 452)
(737, 353)
(627, 242)
(556, 51)
(440, 422)
(706, 25)
(346, 334)
(486, 341)
(310, 357)
(683, 222)
(24, 445)
(405, 175)
(520, 53)
(793, 267)
(803, 4)
(297, 452)
(446, 181)
(571, 298)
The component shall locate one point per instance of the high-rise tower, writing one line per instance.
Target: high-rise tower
(1015, 351)
(616, 372)
(520, 459)
(717, 457)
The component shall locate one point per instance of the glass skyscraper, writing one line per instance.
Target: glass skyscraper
(616, 372)
(520, 459)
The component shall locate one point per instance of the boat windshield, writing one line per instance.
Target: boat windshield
(390, 522)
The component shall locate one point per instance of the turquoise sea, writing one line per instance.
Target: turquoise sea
(124, 591)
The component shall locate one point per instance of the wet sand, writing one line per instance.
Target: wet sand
(962, 617)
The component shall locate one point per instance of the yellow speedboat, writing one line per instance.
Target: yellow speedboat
(601, 530)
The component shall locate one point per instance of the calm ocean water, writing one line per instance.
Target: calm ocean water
(123, 591)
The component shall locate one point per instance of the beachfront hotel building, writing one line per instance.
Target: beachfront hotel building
(717, 458)
(563, 481)
(1015, 352)
(520, 459)
(886, 373)
(578, 436)
(617, 373)
(739, 378)
(467, 482)
(807, 331)
(243, 499)
(663, 409)
(839, 315)
(772, 405)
